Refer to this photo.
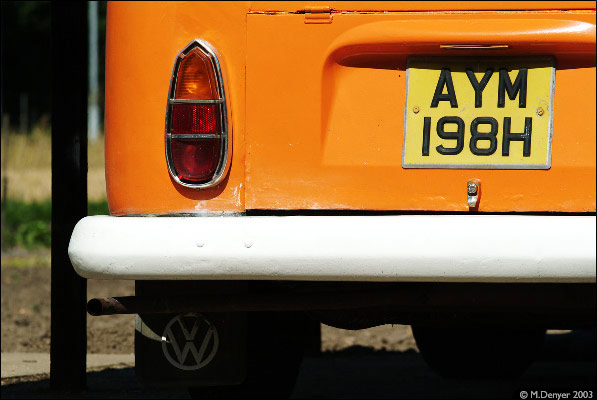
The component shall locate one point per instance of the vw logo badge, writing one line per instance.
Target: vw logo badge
(190, 341)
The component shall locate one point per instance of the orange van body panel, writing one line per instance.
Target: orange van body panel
(290, 85)
(304, 151)
(293, 6)
(142, 41)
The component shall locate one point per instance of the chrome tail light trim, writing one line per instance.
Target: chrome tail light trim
(226, 134)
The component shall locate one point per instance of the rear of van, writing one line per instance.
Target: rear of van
(442, 154)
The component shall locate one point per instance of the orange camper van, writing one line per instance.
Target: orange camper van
(271, 166)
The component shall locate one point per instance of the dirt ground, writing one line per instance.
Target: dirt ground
(26, 313)
(26, 319)
(380, 362)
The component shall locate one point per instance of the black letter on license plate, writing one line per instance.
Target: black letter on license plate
(524, 137)
(458, 135)
(479, 86)
(426, 133)
(519, 86)
(476, 136)
(445, 79)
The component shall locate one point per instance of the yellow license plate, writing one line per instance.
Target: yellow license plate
(491, 113)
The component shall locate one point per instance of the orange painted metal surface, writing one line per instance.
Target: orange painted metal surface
(142, 42)
(327, 132)
(317, 109)
(340, 6)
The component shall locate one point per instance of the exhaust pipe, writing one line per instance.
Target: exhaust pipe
(417, 297)
(248, 302)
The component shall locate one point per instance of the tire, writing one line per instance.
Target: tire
(275, 347)
(478, 352)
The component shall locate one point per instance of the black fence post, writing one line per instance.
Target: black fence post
(68, 348)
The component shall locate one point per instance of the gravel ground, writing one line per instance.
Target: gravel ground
(26, 313)
(380, 362)
(26, 319)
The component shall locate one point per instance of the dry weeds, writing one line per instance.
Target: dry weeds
(27, 162)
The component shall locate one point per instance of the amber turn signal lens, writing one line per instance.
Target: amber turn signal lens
(196, 79)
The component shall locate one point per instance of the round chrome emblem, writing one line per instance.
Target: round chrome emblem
(190, 341)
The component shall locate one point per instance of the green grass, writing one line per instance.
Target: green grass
(98, 207)
(28, 224)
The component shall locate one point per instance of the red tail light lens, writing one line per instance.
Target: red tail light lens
(195, 159)
(197, 141)
(195, 119)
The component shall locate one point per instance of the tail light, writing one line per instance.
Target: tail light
(198, 145)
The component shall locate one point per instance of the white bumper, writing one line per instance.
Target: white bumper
(432, 248)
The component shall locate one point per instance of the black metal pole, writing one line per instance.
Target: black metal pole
(68, 348)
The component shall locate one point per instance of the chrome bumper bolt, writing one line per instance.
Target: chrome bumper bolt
(472, 191)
